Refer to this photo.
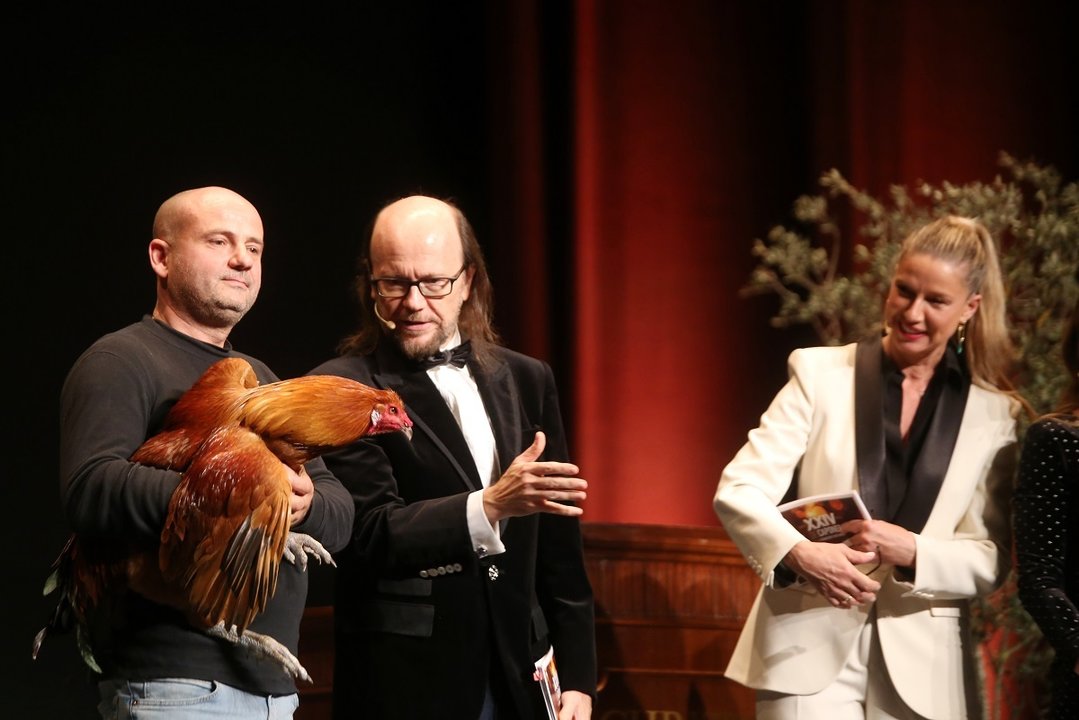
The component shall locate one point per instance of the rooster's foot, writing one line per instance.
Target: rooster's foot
(298, 546)
(263, 646)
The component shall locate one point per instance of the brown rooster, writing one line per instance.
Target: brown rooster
(227, 526)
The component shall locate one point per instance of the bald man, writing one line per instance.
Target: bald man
(206, 254)
(466, 564)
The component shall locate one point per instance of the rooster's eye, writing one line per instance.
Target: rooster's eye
(393, 410)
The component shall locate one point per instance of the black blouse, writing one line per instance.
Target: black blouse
(901, 455)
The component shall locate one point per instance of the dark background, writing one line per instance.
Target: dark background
(570, 133)
(318, 119)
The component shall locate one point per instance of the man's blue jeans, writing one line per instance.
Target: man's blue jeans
(184, 699)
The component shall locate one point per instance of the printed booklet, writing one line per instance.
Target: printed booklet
(546, 675)
(819, 517)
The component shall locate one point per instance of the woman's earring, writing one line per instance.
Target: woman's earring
(960, 337)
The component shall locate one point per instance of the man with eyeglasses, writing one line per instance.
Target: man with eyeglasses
(466, 565)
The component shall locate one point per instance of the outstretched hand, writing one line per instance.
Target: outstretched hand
(830, 567)
(529, 487)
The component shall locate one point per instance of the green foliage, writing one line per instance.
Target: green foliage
(838, 289)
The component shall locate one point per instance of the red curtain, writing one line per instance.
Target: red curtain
(692, 127)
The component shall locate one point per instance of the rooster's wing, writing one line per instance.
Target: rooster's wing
(226, 529)
(212, 402)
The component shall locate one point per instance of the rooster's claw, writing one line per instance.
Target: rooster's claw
(298, 546)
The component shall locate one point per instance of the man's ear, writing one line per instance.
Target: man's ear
(467, 285)
(159, 257)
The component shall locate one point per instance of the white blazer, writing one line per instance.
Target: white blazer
(793, 640)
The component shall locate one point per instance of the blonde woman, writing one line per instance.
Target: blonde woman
(921, 423)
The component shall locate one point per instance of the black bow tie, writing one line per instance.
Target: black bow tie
(457, 356)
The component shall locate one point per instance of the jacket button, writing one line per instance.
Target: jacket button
(423, 573)
(441, 570)
(457, 567)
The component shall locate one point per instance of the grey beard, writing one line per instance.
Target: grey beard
(418, 352)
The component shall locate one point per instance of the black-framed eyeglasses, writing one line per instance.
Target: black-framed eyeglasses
(436, 287)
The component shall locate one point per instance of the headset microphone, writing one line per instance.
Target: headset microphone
(390, 324)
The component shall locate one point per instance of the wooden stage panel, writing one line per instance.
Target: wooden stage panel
(670, 601)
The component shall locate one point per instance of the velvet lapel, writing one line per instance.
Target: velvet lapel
(934, 458)
(869, 426)
(429, 414)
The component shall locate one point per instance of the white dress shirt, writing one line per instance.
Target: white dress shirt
(458, 389)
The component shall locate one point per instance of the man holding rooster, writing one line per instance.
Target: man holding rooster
(206, 253)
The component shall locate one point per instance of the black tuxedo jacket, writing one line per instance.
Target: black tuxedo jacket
(420, 619)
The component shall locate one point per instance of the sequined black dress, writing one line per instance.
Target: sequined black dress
(1047, 545)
